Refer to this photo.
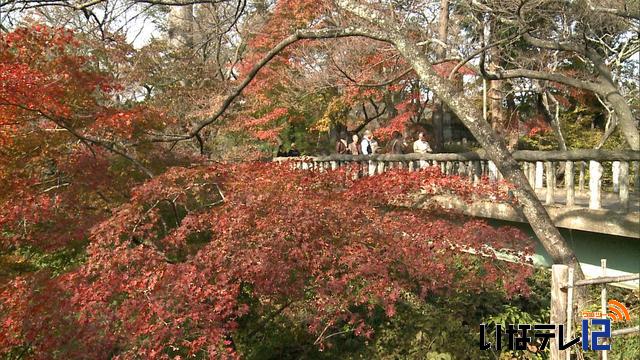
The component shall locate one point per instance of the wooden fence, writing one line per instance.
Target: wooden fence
(562, 299)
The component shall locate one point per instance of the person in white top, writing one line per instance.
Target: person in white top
(366, 144)
(420, 146)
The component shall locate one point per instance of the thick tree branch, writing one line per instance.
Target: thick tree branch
(541, 75)
(482, 50)
(632, 13)
(87, 139)
(297, 36)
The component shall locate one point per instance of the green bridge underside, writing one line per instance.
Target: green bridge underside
(607, 233)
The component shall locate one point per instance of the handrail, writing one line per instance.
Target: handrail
(540, 169)
(520, 155)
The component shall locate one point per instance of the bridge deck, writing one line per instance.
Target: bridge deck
(610, 200)
(611, 219)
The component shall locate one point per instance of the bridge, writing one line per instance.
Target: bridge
(591, 194)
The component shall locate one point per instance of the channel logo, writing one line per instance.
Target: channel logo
(617, 311)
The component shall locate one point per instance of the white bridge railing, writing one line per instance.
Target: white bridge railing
(542, 169)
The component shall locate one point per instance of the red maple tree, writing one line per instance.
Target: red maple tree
(175, 270)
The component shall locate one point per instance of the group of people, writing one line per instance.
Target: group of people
(369, 146)
(293, 151)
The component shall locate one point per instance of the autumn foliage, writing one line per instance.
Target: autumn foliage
(175, 270)
(60, 133)
(184, 263)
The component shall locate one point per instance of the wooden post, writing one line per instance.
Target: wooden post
(411, 165)
(559, 277)
(615, 170)
(539, 174)
(569, 181)
(624, 185)
(334, 165)
(595, 175)
(581, 178)
(381, 167)
(603, 300)
(525, 170)
(567, 336)
(551, 179)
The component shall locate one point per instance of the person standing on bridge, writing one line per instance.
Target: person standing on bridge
(341, 145)
(366, 144)
(294, 150)
(354, 146)
(396, 145)
(374, 146)
(281, 151)
(421, 146)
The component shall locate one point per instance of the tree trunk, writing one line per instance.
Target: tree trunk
(552, 116)
(499, 94)
(495, 148)
(497, 151)
(626, 120)
(439, 114)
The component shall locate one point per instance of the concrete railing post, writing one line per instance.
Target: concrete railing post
(624, 185)
(595, 183)
(493, 171)
(372, 167)
(539, 174)
(477, 172)
(581, 177)
(532, 174)
(636, 173)
(569, 183)
(550, 169)
(615, 170)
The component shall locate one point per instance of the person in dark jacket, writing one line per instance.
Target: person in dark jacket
(282, 152)
(396, 145)
(294, 150)
(366, 145)
(341, 145)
